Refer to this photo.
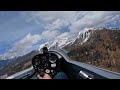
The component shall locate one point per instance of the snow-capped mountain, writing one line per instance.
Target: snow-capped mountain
(61, 42)
(85, 34)
(82, 37)
(100, 47)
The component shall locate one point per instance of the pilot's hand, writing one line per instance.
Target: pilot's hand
(46, 76)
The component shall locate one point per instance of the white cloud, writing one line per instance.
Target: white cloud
(56, 25)
(50, 35)
(75, 20)
(63, 35)
(53, 15)
(20, 47)
(93, 19)
(27, 41)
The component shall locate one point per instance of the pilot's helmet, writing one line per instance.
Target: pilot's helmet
(45, 49)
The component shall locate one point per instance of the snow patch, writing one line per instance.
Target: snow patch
(61, 42)
(84, 35)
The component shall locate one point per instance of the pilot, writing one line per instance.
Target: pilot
(45, 50)
(60, 75)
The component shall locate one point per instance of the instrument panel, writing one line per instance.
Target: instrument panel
(46, 63)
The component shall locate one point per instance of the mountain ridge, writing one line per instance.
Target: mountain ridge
(101, 49)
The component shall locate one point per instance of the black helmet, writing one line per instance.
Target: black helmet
(45, 50)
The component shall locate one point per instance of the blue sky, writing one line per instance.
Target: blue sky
(13, 27)
(23, 31)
